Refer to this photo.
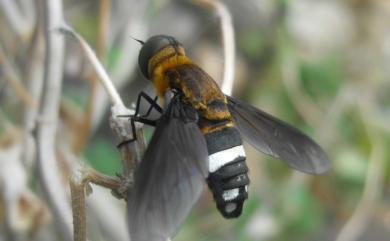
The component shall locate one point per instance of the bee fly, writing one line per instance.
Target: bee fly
(198, 137)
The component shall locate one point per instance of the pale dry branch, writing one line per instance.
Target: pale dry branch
(374, 182)
(21, 25)
(49, 172)
(23, 213)
(84, 130)
(135, 25)
(28, 9)
(359, 220)
(13, 182)
(131, 152)
(379, 120)
(34, 78)
(104, 78)
(327, 128)
(83, 127)
(120, 125)
(103, 29)
(306, 108)
(11, 76)
(228, 42)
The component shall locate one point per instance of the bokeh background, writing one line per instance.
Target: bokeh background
(321, 65)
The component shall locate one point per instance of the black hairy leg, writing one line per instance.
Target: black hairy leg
(142, 118)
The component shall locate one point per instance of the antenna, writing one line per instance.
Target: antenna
(139, 41)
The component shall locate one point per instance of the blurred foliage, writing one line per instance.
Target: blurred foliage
(323, 77)
(113, 57)
(306, 215)
(103, 157)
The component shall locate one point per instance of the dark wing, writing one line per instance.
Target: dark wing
(277, 138)
(170, 177)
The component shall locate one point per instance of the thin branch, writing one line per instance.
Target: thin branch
(35, 70)
(104, 78)
(79, 181)
(135, 25)
(14, 183)
(20, 25)
(108, 214)
(326, 130)
(104, 20)
(131, 153)
(373, 184)
(49, 174)
(228, 42)
(81, 123)
(77, 190)
(84, 130)
(303, 104)
(28, 9)
(14, 81)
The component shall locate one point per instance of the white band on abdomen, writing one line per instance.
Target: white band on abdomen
(231, 194)
(221, 158)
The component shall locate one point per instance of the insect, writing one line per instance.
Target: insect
(199, 137)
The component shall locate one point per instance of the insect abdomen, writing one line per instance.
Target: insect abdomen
(228, 179)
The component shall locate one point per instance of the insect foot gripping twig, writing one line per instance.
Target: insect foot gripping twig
(131, 152)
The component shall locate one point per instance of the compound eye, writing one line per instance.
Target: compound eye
(150, 48)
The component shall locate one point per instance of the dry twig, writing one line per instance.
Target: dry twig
(127, 61)
(373, 184)
(35, 72)
(14, 81)
(131, 153)
(119, 124)
(104, 78)
(49, 173)
(228, 42)
(84, 128)
(303, 104)
(109, 215)
(21, 25)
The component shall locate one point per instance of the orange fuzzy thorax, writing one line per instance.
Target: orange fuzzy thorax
(165, 59)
